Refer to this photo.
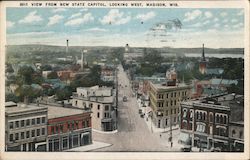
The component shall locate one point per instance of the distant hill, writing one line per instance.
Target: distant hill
(49, 48)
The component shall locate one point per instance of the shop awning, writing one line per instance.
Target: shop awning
(184, 138)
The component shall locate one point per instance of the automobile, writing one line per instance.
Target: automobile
(140, 111)
(142, 115)
(186, 148)
(125, 99)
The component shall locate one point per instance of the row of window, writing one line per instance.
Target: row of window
(172, 94)
(91, 105)
(26, 134)
(60, 128)
(171, 103)
(106, 115)
(27, 122)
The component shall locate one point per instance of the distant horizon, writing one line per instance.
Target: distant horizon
(122, 46)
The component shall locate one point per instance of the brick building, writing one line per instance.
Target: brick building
(68, 128)
(206, 122)
(25, 127)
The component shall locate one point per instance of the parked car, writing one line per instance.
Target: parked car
(186, 148)
(140, 111)
(125, 99)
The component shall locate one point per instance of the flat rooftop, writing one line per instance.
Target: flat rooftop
(163, 86)
(21, 107)
(59, 111)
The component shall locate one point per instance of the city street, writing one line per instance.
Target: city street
(133, 133)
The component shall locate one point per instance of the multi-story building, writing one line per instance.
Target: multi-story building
(102, 102)
(25, 127)
(206, 122)
(107, 73)
(165, 100)
(68, 128)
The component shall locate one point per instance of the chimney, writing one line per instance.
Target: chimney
(67, 46)
(26, 100)
(203, 52)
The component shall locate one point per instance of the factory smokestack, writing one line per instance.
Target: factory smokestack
(67, 46)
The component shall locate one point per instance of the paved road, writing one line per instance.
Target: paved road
(133, 133)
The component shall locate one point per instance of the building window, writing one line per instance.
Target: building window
(225, 119)
(22, 123)
(65, 142)
(106, 115)
(52, 130)
(191, 114)
(217, 118)
(233, 133)
(171, 103)
(43, 131)
(38, 132)
(17, 124)
(33, 121)
(11, 125)
(167, 113)
(184, 113)
(38, 121)
(241, 135)
(98, 106)
(204, 116)
(11, 138)
(167, 95)
(160, 104)
(98, 114)
(90, 105)
(27, 122)
(76, 103)
(106, 107)
(33, 133)
(211, 118)
(22, 135)
(27, 134)
(160, 96)
(61, 127)
(171, 94)
(43, 119)
(166, 123)
(221, 119)
(88, 123)
(174, 94)
(16, 136)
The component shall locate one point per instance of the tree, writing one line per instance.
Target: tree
(63, 94)
(25, 75)
(11, 97)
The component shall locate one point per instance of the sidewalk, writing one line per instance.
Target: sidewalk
(105, 132)
(95, 145)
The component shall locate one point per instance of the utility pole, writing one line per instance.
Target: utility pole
(171, 136)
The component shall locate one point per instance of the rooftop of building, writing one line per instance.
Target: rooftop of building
(163, 86)
(232, 102)
(60, 111)
(102, 99)
(10, 107)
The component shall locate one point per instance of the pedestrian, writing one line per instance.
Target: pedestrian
(160, 135)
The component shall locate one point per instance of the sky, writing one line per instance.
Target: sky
(138, 27)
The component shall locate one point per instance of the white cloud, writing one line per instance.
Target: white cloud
(31, 17)
(59, 10)
(206, 22)
(81, 20)
(84, 10)
(147, 16)
(225, 20)
(240, 13)
(75, 15)
(216, 19)
(10, 24)
(223, 14)
(199, 24)
(217, 25)
(238, 25)
(234, 20)
(208, 14)
(226, 26)
(55, 19)
(96, 29)
(30, 34)
(115, 17)
(192, 15)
